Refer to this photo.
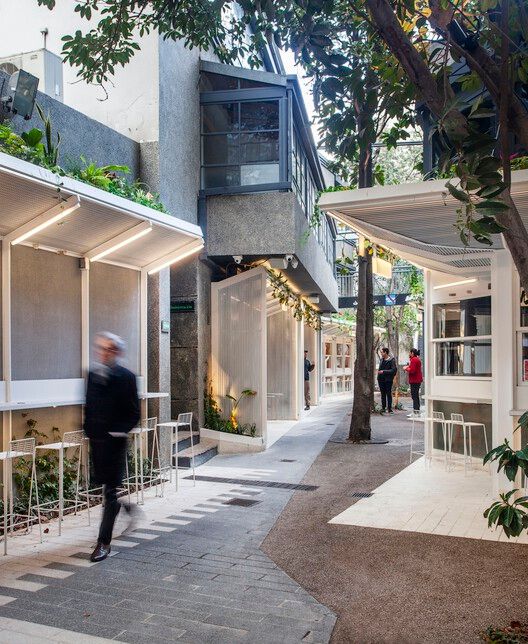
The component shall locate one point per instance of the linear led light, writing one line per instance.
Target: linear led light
(459, 283)
(46, 223)
(143, 230)
(176, 258)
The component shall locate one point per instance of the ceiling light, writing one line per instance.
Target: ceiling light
(176, 258)
(118, 242)
(459, 283)
(63, 211)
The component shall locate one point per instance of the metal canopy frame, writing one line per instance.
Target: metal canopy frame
(31, 187)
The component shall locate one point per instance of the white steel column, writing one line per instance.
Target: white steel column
(143, 337)
(503, 301)
(428, 358)
(300, 366)
(264, 359)
(85, 317)
(6, 337)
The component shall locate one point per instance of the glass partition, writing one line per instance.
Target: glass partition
(464, 358)
(463, 319)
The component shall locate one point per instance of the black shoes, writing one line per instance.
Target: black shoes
(100, 553)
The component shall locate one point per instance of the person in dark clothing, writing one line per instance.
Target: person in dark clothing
(308, 366)
(414, 372)
(386, 372)
(111, 411)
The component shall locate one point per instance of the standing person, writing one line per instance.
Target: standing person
(112, 410)
(386, 372)
(414, 372)
(308, 366)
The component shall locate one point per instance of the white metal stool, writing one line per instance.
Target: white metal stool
(71, 440)
(22, 448)
(184, 420)
(457, 420)
(140, 434)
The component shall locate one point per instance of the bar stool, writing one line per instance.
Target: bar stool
(22, 448)
(184, 420)
(457, 420)
(71, 440)
(139, 434)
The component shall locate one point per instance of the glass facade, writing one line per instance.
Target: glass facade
(464, 329)
(240, 144)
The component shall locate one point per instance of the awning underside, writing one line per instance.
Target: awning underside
(100, 218)
(417, 221)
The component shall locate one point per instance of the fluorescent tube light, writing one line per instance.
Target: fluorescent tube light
(123, 242)
(176, 258)
(46, 223)
(459, 283)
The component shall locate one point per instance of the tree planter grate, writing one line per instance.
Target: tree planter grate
(253, 483)
(243, 503)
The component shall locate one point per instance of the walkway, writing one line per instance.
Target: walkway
(391, 585)
(193, 571)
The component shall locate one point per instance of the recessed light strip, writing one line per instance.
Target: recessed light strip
(459, 283)
(47, 221)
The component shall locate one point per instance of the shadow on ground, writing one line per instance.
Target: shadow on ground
(387, 585)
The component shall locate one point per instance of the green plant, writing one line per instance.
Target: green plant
(233, 417)
(515, 633)
(510, 513)
(50, 149)
(213, 418)
(99, 176)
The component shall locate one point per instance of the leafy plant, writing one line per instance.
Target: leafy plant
(246, 393)
(510, 513)
(50, 149)
(99, 176)
(515, 633)
(213, 418)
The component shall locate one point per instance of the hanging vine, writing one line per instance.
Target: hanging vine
(301, 310)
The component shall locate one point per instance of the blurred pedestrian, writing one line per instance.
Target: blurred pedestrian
(112, 410)
(308, 367)
(414, 373)
(386, 372)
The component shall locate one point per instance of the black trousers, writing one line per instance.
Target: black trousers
(386, 394)
(415, 394)
(109, 462)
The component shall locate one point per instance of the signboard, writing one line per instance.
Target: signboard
(525, 370)
(186, 306)
(389, 299)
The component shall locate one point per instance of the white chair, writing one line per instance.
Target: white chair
(70, 440)
(22, 448)
(140, 435)
(184, 420)
(437, 417)
(457, 420)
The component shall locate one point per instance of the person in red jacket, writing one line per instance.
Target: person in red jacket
(414, 372)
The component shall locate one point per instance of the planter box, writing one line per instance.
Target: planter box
(234, 443)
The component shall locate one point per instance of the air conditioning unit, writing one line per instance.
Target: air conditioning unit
(43, 64)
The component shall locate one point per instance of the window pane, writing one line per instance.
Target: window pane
(221, 177)
(257, 147)
(463, 319)
(220, 118)
(220, 149)
(259, 115)
(214, 82)
(524, 357)
(257, 174)
(471, 358)
(524, 309)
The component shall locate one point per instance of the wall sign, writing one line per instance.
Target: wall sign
(165, 326)
(389, 299)
(186, 306)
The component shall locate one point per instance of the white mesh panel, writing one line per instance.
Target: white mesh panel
(282, 366)
(238, 345)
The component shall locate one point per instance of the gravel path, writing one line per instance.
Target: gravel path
(387, 585)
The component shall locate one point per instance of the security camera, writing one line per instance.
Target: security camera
(290, 260)
(238, 259)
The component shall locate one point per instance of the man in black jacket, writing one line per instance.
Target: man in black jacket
(112, 410)
(386, 372)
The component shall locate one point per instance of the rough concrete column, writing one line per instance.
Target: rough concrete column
(159, 369)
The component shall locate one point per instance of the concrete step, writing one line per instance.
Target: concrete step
(184, 441)
(203, 452)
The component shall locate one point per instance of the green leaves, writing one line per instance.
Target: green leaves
(512, 517)
(33, 137)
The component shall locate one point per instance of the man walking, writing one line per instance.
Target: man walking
(386, 372)
(112, 410)
(308, 366)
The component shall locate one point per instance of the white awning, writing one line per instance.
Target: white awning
(417, 222)
(101, 224)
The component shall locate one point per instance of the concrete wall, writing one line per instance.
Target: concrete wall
(114, 306)
(270, 223)
(131, 103)
(81, 135)
(46, 328)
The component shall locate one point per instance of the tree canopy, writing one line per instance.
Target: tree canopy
(371, 61)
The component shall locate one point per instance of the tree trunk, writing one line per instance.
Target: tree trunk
(364, 365)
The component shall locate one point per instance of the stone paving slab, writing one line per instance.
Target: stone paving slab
(192, 571)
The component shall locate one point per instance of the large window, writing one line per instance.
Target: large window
(240, 142)
(462, 337)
